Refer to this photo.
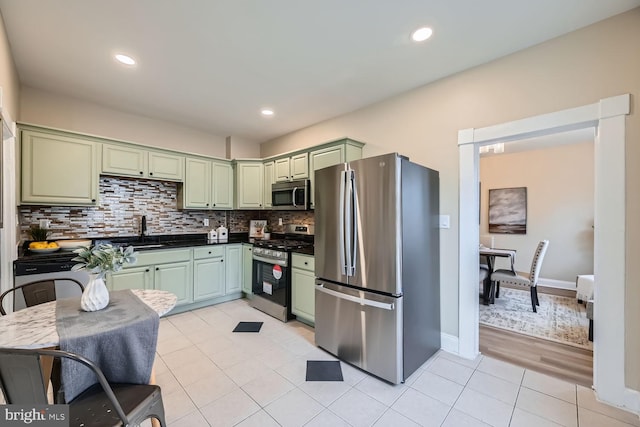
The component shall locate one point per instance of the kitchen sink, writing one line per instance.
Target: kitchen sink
(147, 245)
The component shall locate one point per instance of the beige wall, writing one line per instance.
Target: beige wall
(48, 109)
(560, 206)
(580, 68)
(9, 81)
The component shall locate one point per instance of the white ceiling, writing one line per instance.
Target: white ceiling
(212, 64)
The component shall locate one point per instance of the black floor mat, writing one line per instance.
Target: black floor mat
(248, 327)
(324, 370)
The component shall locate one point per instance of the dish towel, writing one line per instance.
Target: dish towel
(120, 339)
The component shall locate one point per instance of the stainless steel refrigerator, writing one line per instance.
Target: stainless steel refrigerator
(377, 264)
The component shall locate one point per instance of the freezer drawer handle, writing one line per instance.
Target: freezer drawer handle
(362, 301)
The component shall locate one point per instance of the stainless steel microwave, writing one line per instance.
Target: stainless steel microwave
(291, 195)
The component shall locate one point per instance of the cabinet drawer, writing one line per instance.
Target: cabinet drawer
(162, 256)
(304, 262)
(208, 252)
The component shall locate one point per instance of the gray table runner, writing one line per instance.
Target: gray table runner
(121, 339)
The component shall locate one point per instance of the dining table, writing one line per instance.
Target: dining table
(35, 326)
(493, 291)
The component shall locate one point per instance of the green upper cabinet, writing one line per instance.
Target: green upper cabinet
(293, 167)
(196, 190)
(344, 150)
(207, 184)
(58, 169)
(166, 166)
(221, 185)
(129, 160)
(269, 179)
(249, 184)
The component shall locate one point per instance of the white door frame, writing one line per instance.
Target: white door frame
(608, 118)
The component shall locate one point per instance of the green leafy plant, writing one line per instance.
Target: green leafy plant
(38, 234)
(103, 258)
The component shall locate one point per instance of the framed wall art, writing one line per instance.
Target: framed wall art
(508, 210)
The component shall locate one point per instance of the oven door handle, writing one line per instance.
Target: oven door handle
(272, 261)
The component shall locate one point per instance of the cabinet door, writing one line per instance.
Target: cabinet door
(249, 185)
(222, 185)
(233, 269)
(166, 166)
(175, 278)
(323, 158)
(131, 278)
(247, 267)
(269, 178)
(299, 166)
(197, 190)
(58, 170)
(282, 169)
(303, 297)
(123, 160)
(208, 278)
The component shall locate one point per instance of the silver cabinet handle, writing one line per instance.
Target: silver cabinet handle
(358, 300)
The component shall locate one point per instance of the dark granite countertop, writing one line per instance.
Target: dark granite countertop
(147, 243)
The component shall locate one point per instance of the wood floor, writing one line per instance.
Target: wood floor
(563, 361)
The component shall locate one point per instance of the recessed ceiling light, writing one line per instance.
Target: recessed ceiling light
(125, 59)
(268, 112)
(421, 34)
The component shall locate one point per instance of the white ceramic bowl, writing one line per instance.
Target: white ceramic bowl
(70, 245)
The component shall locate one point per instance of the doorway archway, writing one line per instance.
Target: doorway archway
(608, 118)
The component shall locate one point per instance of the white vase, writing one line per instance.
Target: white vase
(96, 295)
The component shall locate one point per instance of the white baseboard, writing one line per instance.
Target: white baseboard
(558, 284)
(632, 401)
(449, 343)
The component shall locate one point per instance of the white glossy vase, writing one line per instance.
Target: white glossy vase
(96, 295)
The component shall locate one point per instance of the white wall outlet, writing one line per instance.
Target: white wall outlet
(445, 221)
(206, 222)
(44, 223)
(279, 221)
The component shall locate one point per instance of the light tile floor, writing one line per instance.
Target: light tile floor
(211, 376)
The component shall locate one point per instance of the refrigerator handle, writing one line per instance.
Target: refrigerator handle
(348, 219)
(354, 222)
(341, 252)
(293, 197)
(362, 301)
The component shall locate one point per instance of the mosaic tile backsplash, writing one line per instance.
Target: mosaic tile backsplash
(123, 201)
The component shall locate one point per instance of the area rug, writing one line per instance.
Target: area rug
(559, 319)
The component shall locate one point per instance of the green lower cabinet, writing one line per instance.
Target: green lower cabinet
(303, 287)
(131, 278)
(175, 278)
(208, 278)
(247, 269)
(233, 268)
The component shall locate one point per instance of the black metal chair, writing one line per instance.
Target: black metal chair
(103, 404)
(37, 292)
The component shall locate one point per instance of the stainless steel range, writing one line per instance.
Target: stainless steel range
(271, 284)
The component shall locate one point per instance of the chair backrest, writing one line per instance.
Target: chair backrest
(22, 382)
(21, 378)
(536, 264)
(34, 293)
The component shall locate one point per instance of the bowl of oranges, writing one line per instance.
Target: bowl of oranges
(43, 247)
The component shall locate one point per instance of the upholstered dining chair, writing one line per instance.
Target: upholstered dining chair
(37, 292)
(531, 282)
